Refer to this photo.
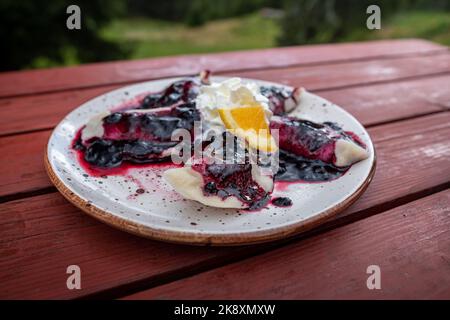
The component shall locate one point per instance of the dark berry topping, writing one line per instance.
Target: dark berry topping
(104, 153)
(210, 188)
(178, 92)
(137, 137)
(306, 148)
(113, 118)
(277, 97)
(298, 168)
(151, 100)
(112, 153)
(225, 180)
(282, 202)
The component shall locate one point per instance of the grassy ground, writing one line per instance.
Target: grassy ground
(145, 38)
(433, 26)
(152, 38)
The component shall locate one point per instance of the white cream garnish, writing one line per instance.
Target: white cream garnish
(228, 94)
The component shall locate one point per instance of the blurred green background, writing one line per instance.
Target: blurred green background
(34, 32)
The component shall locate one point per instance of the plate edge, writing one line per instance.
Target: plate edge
(200, 238)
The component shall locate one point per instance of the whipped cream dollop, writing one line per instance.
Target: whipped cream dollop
(228, 94)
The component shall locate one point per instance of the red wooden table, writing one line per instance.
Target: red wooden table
(400, 90)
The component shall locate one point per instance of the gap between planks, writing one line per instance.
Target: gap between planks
(22, 193)
(396, 131)
(371, 125)
(206, 266)
(233, 71)
(407, 242)
(433, 50)
(33, 189)
(401, 80)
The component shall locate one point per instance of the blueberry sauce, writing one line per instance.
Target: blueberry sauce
(133, 139)
(307, 149)
(136, 137)
(294, 168)
(310, 140)
(282, 202)
(155, 126)
(109, 153)
(277, 97)
(185, 90)
(305, 138)
(122, 170)
(225, 180)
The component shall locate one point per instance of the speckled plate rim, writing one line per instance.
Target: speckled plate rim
(205, 238)
(179, 237)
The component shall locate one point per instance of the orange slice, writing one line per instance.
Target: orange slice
(249, 122)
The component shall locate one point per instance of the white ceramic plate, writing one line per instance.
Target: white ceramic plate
(162, 214)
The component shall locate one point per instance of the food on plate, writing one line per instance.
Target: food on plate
(249, 122)
(326, 142)
(137, 136)
(180, 91)
(315, 152)
(281, 100)
(224, 185)
(264, 122)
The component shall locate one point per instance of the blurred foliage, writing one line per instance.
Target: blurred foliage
(317, 21)
(146, 37)
(34, 33)
(197, 12)
(432, 25)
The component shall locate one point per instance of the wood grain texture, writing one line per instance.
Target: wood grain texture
(393, 101)
(21, 163)
(354, 73)
(38, 81)
(411, 245)
(42, 235)
(43, 111)
(213, 238)
(402, 99)
(412, 157)
(378, 82)
(22, 167)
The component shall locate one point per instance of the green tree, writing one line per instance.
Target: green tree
(33, 31)
(315, 21)
(201, 11)
(197, 12)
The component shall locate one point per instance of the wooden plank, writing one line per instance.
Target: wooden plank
(38, 81)
(22, 163)
(46, 228)
(354, 73)
(22, 170)
(42, 235)
(414, 155)
(37, 112)
(393, 101)
(367, 103)
(410, 244)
